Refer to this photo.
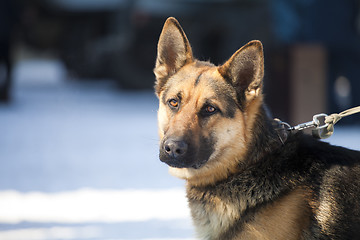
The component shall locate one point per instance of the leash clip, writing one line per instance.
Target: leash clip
(323, 123)
(321, 130)
(315, 123)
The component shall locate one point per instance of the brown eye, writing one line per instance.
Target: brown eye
(173, 103)
(210, 109)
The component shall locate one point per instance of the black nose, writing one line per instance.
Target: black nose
(175, 148)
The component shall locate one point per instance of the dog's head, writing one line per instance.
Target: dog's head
(206, 112)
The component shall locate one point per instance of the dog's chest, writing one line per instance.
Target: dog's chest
(213, 216)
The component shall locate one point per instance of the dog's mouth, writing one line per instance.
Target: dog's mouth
(183, 164)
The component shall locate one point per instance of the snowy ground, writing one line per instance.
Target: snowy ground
(78, 160)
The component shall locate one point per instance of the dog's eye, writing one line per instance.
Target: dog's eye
(173, 103)
(209, 110)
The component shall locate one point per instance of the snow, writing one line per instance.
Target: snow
(91, 205)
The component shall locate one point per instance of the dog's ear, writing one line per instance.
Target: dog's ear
(173, 52)
(245, 70)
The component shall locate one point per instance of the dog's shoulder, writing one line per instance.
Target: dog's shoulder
(337, 191)
(333, 175)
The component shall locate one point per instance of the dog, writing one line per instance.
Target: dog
(243, 180)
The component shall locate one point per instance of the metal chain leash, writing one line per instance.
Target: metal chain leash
(323, 123)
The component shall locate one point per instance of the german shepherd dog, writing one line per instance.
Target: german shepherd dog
(243, 182)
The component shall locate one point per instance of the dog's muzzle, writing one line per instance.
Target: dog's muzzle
(182, 152)
(179, 154)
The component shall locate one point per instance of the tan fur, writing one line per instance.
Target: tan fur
(284, 219)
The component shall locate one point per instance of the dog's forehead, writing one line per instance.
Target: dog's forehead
(201, 82)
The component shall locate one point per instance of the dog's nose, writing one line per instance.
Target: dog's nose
(175, 148)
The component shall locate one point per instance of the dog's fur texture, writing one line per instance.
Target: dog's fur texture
(243, 182)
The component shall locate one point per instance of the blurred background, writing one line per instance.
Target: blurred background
(78, 134)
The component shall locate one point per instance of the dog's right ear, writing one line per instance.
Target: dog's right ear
(173, 52)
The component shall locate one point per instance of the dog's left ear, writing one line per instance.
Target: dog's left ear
(245, 70)
(173, 52)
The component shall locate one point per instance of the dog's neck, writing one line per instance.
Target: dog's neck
(267, 137)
